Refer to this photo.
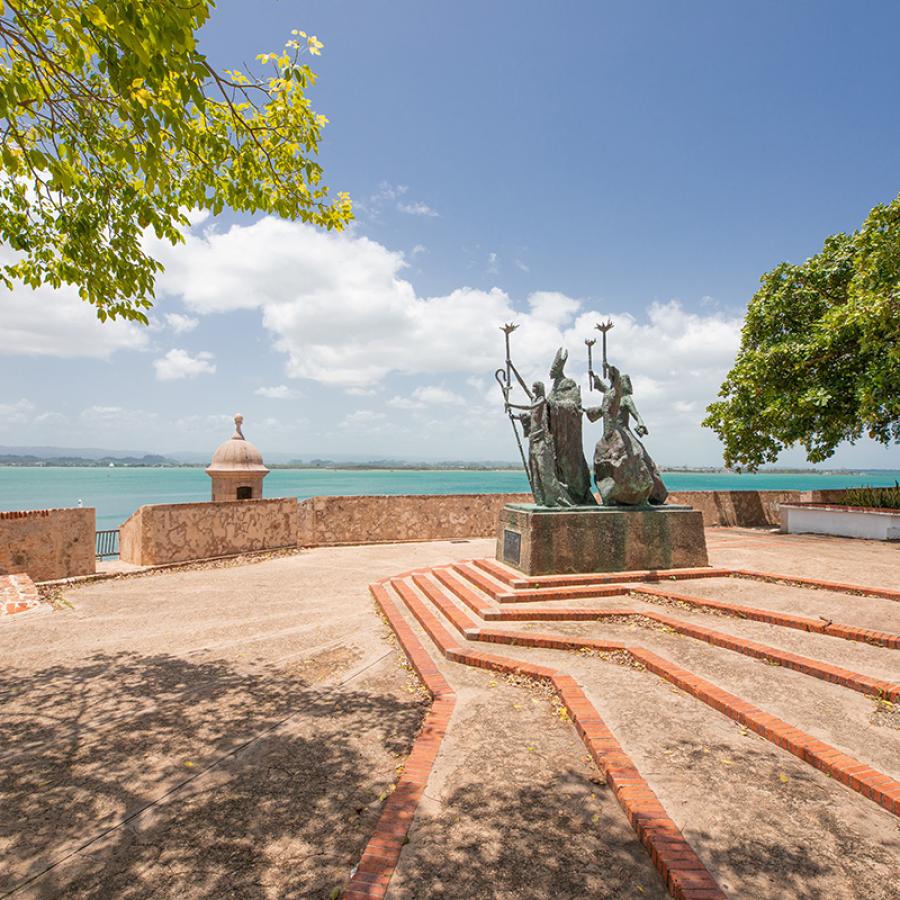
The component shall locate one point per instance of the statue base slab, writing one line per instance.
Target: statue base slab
(538, 540)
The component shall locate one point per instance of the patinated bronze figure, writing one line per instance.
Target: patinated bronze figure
(623, 470)
(541, 451)
(565, 414)
(557, 471)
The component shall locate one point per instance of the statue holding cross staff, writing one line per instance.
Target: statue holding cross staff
(551, 422)
(624, 472)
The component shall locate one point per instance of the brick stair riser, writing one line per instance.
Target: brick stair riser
(379, 859)
(878, 787)
(683, 873)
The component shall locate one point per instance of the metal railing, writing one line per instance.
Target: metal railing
(108, 543)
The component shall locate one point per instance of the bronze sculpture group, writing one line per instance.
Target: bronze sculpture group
(624, 473)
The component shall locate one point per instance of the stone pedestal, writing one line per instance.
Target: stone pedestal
(541, 541)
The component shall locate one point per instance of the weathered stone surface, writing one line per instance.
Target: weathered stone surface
(434, 517)
(48, 543)
(177, 532)
(600, 539)
(750, 509)
(413, 517)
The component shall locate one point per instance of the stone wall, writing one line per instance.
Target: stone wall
(60, 543)
(747, 508)
(178, 532)
(406, 517)
(327, 521)
(48, 543)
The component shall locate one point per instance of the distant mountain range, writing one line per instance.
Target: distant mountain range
(89, 453)
(61, 457)
(93, 456)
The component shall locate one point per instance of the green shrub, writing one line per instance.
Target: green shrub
(874, 497)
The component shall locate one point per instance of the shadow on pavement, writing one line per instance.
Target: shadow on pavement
(288, 815)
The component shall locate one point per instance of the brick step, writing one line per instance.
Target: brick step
(771, 617)
(679, 867)
(818, 584)
(517, 580)
(874, 785)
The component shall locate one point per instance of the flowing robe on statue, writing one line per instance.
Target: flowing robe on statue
(542, 458)
(565, 417)
(623, 469)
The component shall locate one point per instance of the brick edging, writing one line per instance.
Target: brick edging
(864, 684)
(683, 873)
(872, 784)
(818, 584)
(603, 587)
(855, 681)
(379, 858)
(517, 580)
(773, 617)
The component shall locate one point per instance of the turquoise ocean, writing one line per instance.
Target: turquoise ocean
(117, 493)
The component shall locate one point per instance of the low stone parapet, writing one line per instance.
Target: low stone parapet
(748, 509)
(48, 543)
(328, 521)
(60, 543)
(179, 532)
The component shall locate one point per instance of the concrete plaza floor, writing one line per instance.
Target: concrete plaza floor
(233, 731)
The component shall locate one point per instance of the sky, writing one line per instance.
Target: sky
(549, 164)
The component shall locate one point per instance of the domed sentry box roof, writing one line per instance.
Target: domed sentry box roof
(237, 468)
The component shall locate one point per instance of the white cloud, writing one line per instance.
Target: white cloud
(388, 191)
(404, 403)
(428, 395)
(341, 312)
(364, 420)
(211, 423)
(111, 419)
(57, 322)
(393, 194)
(51, 418)
(181, 324)
(493, 265)
(522, 266)
(16, 413)
(23, 412)
(102, 413)
(180, 364)
(438, 396)
(418, 209)
(278, 392)
(552, 307)
(419, 248)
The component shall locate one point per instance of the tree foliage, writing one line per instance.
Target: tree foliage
(819, 361)
(115, 123)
